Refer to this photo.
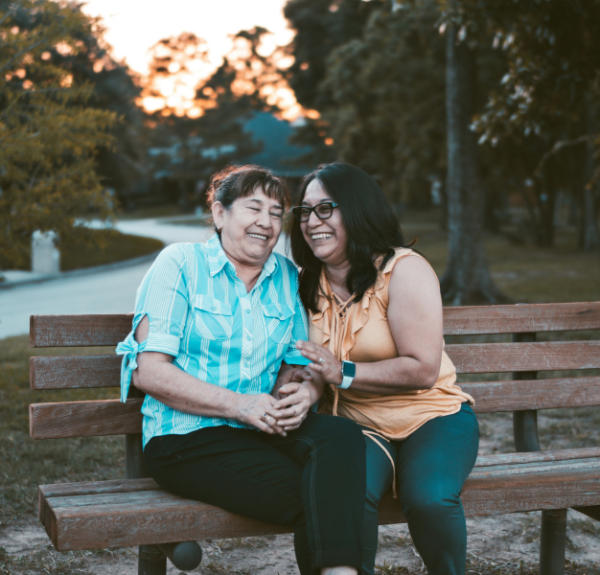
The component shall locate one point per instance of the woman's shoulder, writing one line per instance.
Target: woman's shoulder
(399, 253)
(187, 257)
(180, 252)
(405, 261)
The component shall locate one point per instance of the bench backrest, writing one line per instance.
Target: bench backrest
(523, 357)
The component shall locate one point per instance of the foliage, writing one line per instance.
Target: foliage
(321, 26)
(548, 101)
(378, 82)
(113, 88)
(553, 61)
(48, 132)
(387, 112)
(209, 133)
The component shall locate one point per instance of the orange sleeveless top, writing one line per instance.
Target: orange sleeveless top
(361, 333)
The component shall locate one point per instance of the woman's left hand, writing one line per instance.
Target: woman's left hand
(323, 361)
(293, 406)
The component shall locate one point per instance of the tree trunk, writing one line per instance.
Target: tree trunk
(466, 278)
(590, 238)
(546, 201)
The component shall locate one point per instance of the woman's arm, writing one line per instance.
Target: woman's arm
(416, 323)
(165, 382)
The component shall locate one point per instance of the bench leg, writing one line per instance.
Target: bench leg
(152, 561)
(552, 545)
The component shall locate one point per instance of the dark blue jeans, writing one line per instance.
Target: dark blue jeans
(432, 465)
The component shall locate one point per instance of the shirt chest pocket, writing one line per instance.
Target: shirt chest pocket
(279, 320)
(212, 318)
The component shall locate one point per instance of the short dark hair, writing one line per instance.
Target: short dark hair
(371, 225)
(235, 182)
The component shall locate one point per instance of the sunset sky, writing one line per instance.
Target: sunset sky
(133, 26)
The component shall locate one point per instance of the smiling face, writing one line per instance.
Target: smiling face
(327, 238)
(250, 228)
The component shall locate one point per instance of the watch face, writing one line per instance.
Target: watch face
(348, 369)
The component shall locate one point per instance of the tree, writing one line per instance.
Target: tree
(204, 127)
(49, 134)
(321, 26)
(550, 93)
(113, 88)
(466, 278)
(386, 94)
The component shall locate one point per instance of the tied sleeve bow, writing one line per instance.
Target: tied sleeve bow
(129, 349)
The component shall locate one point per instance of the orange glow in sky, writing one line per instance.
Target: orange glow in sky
(133, 26)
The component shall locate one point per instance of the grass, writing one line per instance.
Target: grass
(27, 463)
(103, 247)
(524, 272)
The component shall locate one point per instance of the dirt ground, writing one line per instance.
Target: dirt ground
(499, 544)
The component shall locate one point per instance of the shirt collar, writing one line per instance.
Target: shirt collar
(217, 259)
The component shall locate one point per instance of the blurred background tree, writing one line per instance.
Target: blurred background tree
(547, 101)
(50, 132)
(484, 110)
(193, 142)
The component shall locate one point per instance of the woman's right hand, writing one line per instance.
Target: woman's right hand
(257, 411)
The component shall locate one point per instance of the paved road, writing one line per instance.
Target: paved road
(111, 291)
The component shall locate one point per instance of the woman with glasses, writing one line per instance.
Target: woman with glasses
(226, 416)
(376, 338)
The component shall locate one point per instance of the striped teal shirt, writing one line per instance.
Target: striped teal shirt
(200, 313)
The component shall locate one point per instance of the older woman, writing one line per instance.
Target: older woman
(376, 337)
(214, 335)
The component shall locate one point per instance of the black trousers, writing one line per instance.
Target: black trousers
(314, 480)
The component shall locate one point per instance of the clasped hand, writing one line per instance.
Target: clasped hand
(279, 413)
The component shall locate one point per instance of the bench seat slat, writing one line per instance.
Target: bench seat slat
(537, 456)
(93, 487)
(110, 417)
(126, 518)
(110, 329)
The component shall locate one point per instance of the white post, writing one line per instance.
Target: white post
(45, 257)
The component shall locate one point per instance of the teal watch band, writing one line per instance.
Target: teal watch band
(348, 373)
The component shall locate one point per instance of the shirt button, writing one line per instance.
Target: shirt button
(248, 310)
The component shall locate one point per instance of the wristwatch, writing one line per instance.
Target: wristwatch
(348, 373)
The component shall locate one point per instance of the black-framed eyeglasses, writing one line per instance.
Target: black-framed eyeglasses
(323, 211)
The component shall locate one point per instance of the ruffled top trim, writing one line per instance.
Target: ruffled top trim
(329, 323)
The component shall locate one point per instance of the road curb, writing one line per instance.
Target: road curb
(5, 285)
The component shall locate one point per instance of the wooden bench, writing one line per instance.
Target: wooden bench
(136, 512)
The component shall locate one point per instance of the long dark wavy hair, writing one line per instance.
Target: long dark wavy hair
(371, 225)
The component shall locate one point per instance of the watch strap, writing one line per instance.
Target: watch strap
(348, 373)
